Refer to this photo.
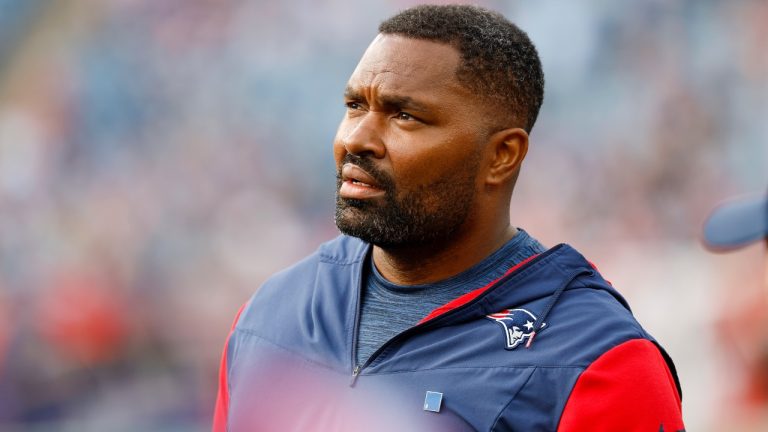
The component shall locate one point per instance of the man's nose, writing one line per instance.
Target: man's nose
(364, 136)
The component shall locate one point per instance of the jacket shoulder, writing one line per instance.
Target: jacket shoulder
(341, 251)
(318, 286)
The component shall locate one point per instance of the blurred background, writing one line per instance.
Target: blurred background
(160, 159)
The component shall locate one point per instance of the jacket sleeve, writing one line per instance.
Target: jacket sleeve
(221, 411)
(628, 388)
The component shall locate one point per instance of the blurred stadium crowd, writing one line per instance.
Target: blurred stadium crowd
(160, 159)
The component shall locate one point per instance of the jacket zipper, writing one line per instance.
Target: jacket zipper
(355, 330)
(420, 327)
(355, 374)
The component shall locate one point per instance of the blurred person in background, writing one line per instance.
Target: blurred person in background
(433, 312)
(731, 226)
(738, 223)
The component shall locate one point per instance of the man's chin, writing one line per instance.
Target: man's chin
(354, 222)
(349, 218)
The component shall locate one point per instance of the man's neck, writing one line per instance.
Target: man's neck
(434, 262)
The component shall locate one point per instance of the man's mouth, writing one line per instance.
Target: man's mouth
(356, 183)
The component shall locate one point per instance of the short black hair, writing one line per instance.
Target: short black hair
(498, 60)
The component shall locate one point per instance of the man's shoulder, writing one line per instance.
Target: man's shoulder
(342, 250)
(591, 316)
(334, 263)
(580, 308)
(594, 308)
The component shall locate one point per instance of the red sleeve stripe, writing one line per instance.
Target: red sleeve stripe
(222, 397)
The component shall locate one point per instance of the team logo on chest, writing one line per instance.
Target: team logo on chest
(517, 324)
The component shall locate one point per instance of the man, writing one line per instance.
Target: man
(436, 311)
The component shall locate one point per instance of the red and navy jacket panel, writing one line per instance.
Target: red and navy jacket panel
(629, 388)
(288, 362)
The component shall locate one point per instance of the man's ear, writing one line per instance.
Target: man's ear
(508, 147)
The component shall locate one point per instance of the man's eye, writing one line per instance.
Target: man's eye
(353, 105)
(404, 116)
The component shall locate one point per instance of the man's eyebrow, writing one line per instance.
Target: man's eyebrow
(388, 101)
(401, 102)
(351, 93)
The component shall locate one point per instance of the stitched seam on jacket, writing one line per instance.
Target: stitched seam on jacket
(498, 416)
(332, 260)
(337, 258)
(295, 353)
(299, 355)
(472, 368)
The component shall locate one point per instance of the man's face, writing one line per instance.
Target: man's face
(409, 146)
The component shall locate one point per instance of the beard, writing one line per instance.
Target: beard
(424, 214)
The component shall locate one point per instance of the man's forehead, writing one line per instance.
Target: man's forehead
(404, 47)
(405, 62)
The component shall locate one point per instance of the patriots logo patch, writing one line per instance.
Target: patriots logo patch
(517, 324)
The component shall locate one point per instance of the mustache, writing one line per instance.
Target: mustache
(381, 178)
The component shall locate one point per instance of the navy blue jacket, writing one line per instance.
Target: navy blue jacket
(549, 346)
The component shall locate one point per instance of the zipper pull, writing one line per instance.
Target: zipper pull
(355, 373)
